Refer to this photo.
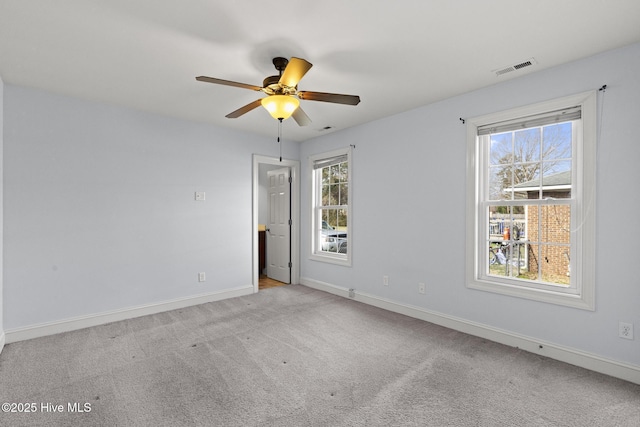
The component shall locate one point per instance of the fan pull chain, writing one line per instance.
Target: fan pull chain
(279, 136)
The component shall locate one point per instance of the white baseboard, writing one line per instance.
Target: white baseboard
(81, 322)
(3, 338)
(569, 355)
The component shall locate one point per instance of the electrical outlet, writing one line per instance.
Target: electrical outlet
(200, 195)
(422, 288)
(352, 293)
(625, 330)
(385, 280)
(201, 277)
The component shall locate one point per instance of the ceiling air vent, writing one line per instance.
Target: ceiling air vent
(519, 66)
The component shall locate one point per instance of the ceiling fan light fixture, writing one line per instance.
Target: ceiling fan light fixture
(282, 92)
(280, 106)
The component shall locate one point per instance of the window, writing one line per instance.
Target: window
(531, 202)
(331, 207)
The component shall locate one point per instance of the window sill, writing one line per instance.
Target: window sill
(331, 259)
(584, 302)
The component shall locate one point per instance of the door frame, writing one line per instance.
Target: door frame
(294, 166)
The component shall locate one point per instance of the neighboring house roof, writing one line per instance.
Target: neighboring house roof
(556, 181)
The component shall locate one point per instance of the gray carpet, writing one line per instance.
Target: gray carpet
(294, 356)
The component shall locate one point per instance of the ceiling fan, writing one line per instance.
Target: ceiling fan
(282, 91)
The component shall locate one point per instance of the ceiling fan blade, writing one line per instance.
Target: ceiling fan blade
(336, 98)
(242, 110)
(294, 71)
(301, 117)
(227, 83)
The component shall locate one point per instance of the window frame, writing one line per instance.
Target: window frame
(582, 194)
(316, 220)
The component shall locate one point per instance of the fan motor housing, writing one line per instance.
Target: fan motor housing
(271, 81)
(271, 86)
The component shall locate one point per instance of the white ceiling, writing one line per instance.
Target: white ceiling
(396, 55)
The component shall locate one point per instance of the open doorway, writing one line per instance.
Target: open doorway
(262, 168)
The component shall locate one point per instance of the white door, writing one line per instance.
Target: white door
(279, 226)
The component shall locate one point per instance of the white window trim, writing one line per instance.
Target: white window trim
(330, 257)
(585, 205)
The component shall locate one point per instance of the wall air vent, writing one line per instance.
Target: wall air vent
(519, 66)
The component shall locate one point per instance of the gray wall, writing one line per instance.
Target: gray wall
(409, 200)
(100, 212)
